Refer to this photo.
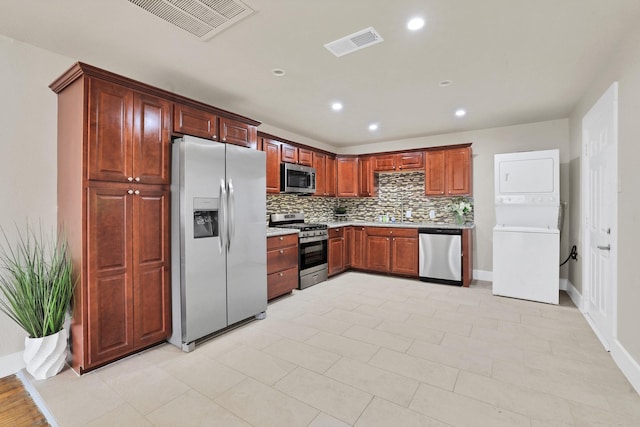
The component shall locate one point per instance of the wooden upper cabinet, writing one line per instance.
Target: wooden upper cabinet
(412, 160)
(448, 172)
(435, 173)
(272, 151)
(458, 166)
(238, 133)
(305, 157)
(384, 162)
(365, 177)
(288, 153)
(151, 139)
(320, 165)
(325, 167)
(192, 121)
(128, 137)
(330, 176)
(347, 177)
(110, 132)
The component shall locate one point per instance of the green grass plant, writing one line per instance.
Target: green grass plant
(36, 281)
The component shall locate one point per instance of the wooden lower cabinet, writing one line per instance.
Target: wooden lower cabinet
(378, 250)
(392, 250)
(127, 297)
(404, 256)
(348, 246)
(358, 248)
(282, 265)
(336, 251)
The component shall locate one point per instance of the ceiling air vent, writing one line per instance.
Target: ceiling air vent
(202, 18)
(356, 41)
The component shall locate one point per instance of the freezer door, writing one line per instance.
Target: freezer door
(247, 240)
(200, 259)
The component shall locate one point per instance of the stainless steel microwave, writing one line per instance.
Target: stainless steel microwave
(297, 179)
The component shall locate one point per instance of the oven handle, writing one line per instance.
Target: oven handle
(313, 239)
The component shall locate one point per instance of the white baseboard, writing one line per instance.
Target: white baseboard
(576, 297)
(486, 276)
(10, 364)
(627, 364)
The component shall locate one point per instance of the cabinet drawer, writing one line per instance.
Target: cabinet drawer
(281, 259)
(336, 232)
(392, 231)
(277, 242)
(281, 282)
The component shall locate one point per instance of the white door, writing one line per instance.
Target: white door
(599, 214)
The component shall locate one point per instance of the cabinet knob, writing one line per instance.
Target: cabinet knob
(281, 251)
(130, 179)
(137, 179)
(337, 230)
(281, 238)
(129, 191)
(136, 192)
(391, 232)
(387, 238)
(224, 139)
(281, 274)
(215, 137)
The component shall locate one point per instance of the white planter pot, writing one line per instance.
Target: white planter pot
(45, 356)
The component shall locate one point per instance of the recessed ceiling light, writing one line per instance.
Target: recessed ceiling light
(461, 112)
(445, 83)
(278, 72)
(373, 127)
(415, 24)
(336, 106)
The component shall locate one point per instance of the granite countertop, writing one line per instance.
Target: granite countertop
(399, 224)
(275, 231)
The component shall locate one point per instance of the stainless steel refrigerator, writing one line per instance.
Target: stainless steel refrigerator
(218, 238)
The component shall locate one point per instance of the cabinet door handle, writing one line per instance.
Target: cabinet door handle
(281, 238)
(215, 137)
(137, 179)
(129, 191)
(281, 274)
(136, 192)
(281, 251)
(130, 179)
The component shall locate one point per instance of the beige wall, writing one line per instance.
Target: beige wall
(624, 67)
(486, 143)
(27, 148)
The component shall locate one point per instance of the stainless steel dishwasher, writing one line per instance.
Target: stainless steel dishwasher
(441, 255)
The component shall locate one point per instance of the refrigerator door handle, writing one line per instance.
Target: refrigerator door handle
(222, 243)
(232, 214)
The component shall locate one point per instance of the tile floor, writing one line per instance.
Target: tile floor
(368, 350)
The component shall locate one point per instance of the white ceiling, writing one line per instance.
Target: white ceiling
(511, 61)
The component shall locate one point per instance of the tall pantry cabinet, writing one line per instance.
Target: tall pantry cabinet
(113, 202)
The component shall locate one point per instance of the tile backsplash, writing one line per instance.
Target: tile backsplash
(397, 193)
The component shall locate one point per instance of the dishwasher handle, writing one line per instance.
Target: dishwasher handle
(450, 231)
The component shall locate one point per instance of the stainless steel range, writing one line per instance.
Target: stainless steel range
(312, 239)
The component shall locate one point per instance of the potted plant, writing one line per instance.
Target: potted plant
(460, 207)
(36, 287)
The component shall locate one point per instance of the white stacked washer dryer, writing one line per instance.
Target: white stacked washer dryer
(526, 238)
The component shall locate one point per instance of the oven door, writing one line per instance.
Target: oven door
(312, 254)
